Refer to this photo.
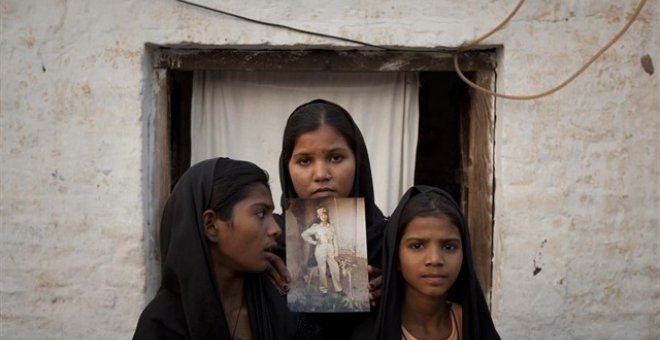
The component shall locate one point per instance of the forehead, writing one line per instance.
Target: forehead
(257, 193)
(431, 227)
(323, 138)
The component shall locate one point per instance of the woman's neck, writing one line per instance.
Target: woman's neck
(424, 316)
(230, 283)
(230, 289)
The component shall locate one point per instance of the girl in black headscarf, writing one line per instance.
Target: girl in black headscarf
(324, 155)
(335, 165)
(430, 290)
(216, 232)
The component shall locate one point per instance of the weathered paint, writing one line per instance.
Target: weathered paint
(577, 195)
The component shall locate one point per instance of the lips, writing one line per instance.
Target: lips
(270, 247)
(434, 278)
(322, 192)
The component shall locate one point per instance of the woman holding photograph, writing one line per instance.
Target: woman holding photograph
(324, 155)
(324, 238)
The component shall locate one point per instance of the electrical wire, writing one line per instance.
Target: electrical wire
(318, 34)
(461, 49)
(491, 32)
(551, 90)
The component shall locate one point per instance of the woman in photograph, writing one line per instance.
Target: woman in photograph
(323, 237)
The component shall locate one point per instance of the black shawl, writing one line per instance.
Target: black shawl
(187, 305)
(477, 322)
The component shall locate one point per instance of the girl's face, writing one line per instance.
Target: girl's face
(244, 240)
(430, 256)
(323, 216)
(322, 164)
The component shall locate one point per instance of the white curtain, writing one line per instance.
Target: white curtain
(242, 115)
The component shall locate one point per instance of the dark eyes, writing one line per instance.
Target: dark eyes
(304, 161)
(451, 246)
(263, 213)
(334, 158)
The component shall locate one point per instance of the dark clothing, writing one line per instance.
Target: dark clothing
(187, 305)
(477, 322)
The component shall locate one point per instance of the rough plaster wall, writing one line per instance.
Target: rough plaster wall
(71, 172)
(576, 225)
(577, 173)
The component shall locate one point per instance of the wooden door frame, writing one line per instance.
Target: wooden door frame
(478, 123)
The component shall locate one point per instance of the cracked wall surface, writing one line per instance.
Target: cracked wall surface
(576, 200)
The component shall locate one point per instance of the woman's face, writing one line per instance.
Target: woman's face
(251, 232)
(430, 256)
(322, 164)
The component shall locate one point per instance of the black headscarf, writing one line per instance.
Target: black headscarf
(187, 305)
(477, 322)
(362, 183)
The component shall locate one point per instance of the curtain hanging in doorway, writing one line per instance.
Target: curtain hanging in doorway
(242, 115)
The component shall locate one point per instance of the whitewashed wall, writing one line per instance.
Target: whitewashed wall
(577, 191)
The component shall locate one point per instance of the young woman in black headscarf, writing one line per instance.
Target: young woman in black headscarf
(216, 233)
(430, 290)
(324, 155)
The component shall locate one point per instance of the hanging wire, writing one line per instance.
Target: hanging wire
(313, 33)
(554, 89)
(461, 49)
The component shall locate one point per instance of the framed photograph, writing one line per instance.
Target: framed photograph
(326, 252)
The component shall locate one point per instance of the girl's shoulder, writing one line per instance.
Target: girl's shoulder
(457, 309)
(163, 318)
